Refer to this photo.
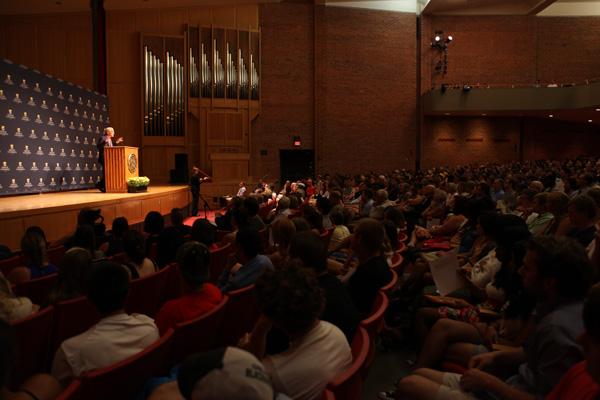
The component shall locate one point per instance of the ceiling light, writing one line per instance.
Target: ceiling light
(437, 39)
(483, 115)
(589, 120)
(597, 109)
(551, 115)
(447, 114)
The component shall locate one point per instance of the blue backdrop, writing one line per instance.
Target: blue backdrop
(49, 129)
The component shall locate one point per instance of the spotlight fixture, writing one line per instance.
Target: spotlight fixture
(437, 39)
(466, 88)
(448, 39)
(440, 44)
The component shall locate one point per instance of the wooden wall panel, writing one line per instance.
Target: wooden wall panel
(130, 210)
(55, 225)
(79, 69)
(150, 205)
(148, 21)
(3, 35)
(121, 21)
(200, 16)
(22, 45)
(173, 21)
(11, 233)
(234, 133)
(156, 161)
(52, 50)
(123, 57)
(125, 97)
(223, 16)
(247, 15)
(216, 123)
(166, 204)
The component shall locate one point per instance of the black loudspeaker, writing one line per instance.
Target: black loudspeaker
(179, 176)
(181, 161)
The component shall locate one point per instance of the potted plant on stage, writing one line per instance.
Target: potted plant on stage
(139, 184)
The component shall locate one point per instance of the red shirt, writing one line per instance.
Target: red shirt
(310, 190)
(186, 307)
(576, 384)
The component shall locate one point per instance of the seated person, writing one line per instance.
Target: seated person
(339, 308)
(177, 218)
(283, 230)
(13, 308)
(340, 232)
(372, 271)
(204, 232)
(224, 221)
(557, 271)
(169, 241)
(134, 251)
(291, 299)
(37, 387)
(251, 208)
(154, 223)
(226, 373)
(248, 242)
(115, 244)
(582, 381)
(582, 213)
(34, 247)
(198, 296)
(116, 337)
(71, 283)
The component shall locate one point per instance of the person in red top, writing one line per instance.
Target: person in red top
(310, 189)
(198, 296)
(583, 379)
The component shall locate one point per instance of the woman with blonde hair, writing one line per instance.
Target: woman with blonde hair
(71, 283)
(11, 307)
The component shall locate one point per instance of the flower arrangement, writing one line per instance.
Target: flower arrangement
(141, 181)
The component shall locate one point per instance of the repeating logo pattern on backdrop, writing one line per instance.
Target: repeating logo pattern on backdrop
(49, 129)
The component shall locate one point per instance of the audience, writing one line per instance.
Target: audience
(13, 308)
(198, 296)
(115, 244)
(134, 251)
(33, 246)
(117, 335)
(204, 232)
(291, 299)
(71, 283)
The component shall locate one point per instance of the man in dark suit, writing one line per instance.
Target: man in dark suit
(106, 140)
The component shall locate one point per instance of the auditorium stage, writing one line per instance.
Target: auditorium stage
(56, 213)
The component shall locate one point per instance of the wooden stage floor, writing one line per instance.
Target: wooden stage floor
(56, 213)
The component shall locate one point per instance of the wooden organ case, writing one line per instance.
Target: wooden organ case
(200, 93)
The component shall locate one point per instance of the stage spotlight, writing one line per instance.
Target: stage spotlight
(448, 39)
(437, 39)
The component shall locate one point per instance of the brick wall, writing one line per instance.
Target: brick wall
(345, 80)
(464, 140)
(548, 138)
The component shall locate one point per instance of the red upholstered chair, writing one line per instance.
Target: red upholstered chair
(72, 392)
(218, 258)
(147, 294)
(33, 341)
(37, 289)
(124, 379)
(55, 255)
(220, 235)
(387, 289)
(326, 236)
(117, 258)
(173, 286)
(198, 334)
(327, 395)
(401, 248)
(397, 260)
(374, 325)
(402, 237)
(349, 385)
(71, 318)
(7, 265)
(265, 210)
(240, 315)
(448, 366)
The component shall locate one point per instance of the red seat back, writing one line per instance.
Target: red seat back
(173, 286)
(71, 318)
(402, 237)
(327, 395)
(72, 392)
(387, 289)
(117, 258)
(218, 258)
(198, 334)
(401, 248)
(265, 210)
(326, 236)
(37, 289)
(147, 294)
(397, 260)
(124, 379)
(33, 342)
(240, 315)
(55, 255)
(374, 325)
(349, 385)
(153, 253)
(220, 235)
(7, 265)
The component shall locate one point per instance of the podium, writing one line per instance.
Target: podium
(120, 164)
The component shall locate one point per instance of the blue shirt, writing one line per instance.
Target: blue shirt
(246, 275)
(36, 272)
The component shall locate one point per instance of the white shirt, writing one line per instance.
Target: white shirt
(111, 340)
(305, 368)
(241, 192)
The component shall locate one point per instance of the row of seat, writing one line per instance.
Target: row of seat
(124, 379)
